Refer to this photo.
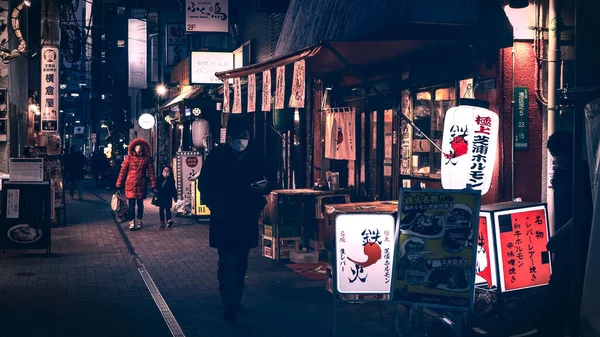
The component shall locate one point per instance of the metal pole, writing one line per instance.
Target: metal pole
(555, 22)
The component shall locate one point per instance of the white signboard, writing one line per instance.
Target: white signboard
(26, 169)
(469, 146)
(79, 130)
(189, 165)
(137, 51)
(365, 253)
(50, 85)
(207, 16)
(12, 204)
(206, 64)
(146, 121)
(177, 44)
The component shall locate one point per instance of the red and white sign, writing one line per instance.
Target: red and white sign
(50, 85)
(469, 146)
(523, 259)
(486, 259)
(365, 253)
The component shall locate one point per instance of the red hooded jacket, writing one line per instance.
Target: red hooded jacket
(135, 170)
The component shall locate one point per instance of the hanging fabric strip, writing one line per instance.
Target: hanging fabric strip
(252, 93)
(226, 97)
(298, 85)
(280, 88)
(340, 134)
(237, 96)
(266, 92)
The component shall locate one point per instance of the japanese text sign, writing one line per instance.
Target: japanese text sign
(177, 43)
(523, 259)
(437, 248)
(521, 119)
(50, 85)
(207, 16)
(469, 146)
(206, 64)
(365, 253)
(486, 255)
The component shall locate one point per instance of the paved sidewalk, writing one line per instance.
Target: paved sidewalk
(88, 287)
(280, 302)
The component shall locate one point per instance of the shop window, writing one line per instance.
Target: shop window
(430, 108)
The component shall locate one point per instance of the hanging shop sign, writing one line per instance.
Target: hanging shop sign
(177, 43)
(365, 253)
(252, 93)
(50, 85)
(280, 87)
(146, 121)
(340, 134)
(205, 64)
(207, 16)
(137, 54)
(237, 96)
(266, 91)
(469, 147)
(522, 237)
(79, 130)
(298, 85)
(521, 119)
(226, 96)
(486, 254)
(436, 248)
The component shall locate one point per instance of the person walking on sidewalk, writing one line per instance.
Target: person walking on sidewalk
(166, 192)
(74, 168)
(133, 176)
(232, 184)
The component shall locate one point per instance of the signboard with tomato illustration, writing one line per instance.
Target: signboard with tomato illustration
(522, 236)
(365, 253)
(188, 168)
(436, 248)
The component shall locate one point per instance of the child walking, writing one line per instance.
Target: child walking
(166, 192)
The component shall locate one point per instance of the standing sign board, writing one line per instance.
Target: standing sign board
(26, 169)
(486, 253)
(50, 85)
(365, 253)
(188, 166)
(207, 16)
(436, 248)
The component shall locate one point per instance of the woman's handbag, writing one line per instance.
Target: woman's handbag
(155, 199)
(117, 200)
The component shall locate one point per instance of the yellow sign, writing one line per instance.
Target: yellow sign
(198, 208)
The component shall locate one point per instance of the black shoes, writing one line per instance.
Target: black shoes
(230, 316)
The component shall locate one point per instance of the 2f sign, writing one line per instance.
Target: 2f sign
(191, 27)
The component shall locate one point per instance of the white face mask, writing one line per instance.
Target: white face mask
(239, 145)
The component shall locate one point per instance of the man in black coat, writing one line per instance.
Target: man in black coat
(232, 184)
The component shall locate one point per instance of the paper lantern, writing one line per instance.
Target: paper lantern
(469, 148)
(200, 133)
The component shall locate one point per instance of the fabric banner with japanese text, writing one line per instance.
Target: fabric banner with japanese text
(252, 93)
(280, 88)
(298, 85)
(340, 134)
(226, 96)
(266, 91)
(237, 96)
(437, 236)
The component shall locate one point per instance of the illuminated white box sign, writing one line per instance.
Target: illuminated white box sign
(146, 121)
(207, 16)
(137, 53)
(206, 64)
(50, 85)
(365, 253)
(469, 148)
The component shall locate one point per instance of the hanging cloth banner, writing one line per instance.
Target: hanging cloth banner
(340, 134)
(252, 93)
(280, 88)
(226, 96)
(266, 93)
(237, 96)
(298, 85)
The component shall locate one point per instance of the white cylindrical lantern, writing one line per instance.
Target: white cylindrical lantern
(200, 133)
(469, 146)
(146, 121)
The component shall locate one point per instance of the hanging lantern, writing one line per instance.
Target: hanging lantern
(469, 146)
(200, 133)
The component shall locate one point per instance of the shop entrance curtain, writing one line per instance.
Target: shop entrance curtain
(340, 134)
(590, 304)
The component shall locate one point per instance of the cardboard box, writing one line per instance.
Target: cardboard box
(332, 211)
(279, 250)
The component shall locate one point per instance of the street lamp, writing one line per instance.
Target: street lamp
(161, 90)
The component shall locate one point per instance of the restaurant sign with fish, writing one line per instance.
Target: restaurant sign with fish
(365, 253)
(436, 248)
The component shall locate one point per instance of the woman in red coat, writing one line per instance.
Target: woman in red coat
(134, 172)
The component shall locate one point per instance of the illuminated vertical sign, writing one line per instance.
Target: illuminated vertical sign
(50, 85)
(137, 54)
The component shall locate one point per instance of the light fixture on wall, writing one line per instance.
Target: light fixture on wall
(518, 4)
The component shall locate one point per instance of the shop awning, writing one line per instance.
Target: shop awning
(179, 98)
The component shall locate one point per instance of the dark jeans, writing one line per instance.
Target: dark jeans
(76, 184)
(233, 264)
(164, 210)
(140, 208)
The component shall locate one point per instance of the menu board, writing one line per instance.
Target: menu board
(365, 253)
(486, 259)
(436, 248)
(523, 259)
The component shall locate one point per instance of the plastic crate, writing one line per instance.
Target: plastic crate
(304, 257)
